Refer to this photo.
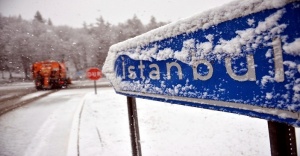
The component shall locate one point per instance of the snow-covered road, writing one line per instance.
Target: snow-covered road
(40, 128)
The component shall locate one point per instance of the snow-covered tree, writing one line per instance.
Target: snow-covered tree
(25, 42)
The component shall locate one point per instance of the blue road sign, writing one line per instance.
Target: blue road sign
(245, 61)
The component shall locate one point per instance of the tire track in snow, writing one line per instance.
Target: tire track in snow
(88, 130)
(73, 146)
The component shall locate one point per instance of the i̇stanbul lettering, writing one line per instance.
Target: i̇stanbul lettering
(250, 75)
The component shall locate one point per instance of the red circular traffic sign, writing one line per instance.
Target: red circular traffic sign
(93, 73)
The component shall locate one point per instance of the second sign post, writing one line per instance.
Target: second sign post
(94, 74)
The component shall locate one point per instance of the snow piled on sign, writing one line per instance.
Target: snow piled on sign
(250, 38)
(292, 48)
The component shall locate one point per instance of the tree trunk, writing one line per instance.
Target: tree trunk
(9, 71)
(25, 63)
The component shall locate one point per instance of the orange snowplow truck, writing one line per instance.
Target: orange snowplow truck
(50, 75)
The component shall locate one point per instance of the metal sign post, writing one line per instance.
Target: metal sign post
(94, 74)
(282, 139)
(134, 127)
(95, 86)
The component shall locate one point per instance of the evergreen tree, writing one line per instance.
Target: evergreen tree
(85, 27)
(50, 22)
(20, 18)
(153, 24)
(38, 17)
(134, 27)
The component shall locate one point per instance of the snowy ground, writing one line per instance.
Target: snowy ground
(165, 129)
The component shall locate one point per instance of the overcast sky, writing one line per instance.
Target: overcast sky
(75, 12)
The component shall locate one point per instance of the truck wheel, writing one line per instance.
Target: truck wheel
(38, 88)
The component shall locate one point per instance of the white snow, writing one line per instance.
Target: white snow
(268, 53)
(250, 22)
(185, 53)
(293, 48)
(203, 49)
(269, 96)
(165, 54)
(266, 79)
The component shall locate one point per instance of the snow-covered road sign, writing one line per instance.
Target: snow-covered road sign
(242, 58)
